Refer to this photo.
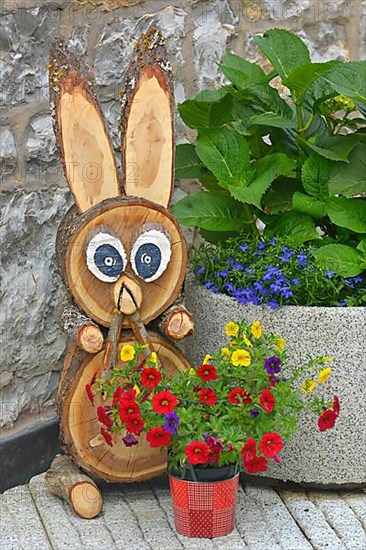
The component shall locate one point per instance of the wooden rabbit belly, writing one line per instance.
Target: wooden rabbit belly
(80, 428)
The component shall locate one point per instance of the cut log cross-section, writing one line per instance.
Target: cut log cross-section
(80, 427)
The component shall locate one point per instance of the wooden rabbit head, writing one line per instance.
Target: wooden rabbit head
(119, 249)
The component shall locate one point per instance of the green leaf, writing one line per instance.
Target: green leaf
(218, 236)
(350, 179)
(348, 213)
(187, 163)
(285, 50)
(301, 78)
(349, 79)
(267, 169)
(272, 119)
(343, 260)
(316, 172)
(206, 114)
(213, 211)
(308, 205)
(226, 155)
(262, 98)
(335, 148)
(278, 198)
(240, 72)
(362, 246)
(292, 224)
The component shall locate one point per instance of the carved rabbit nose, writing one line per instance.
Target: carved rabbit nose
(127, 295)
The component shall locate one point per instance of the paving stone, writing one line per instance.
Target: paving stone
(357, 501)
(312, 521)
(24, 519)
(8, 535)
(341, 518)
(287, 533)
(253, 528)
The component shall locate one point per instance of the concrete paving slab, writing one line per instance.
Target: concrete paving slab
(25, 519)
(140, 517)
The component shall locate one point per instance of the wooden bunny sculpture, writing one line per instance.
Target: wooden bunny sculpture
(122, 254)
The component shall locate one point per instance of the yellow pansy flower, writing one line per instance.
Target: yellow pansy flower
(225, 352)
(323, 375)
(191, 372)
(231, 329)
(280, 344)
(246, 341)
(256, 329)
(241, 357)
(137, 389)
(127, 352)
(206, 360)
(309, 386)
(154, 357)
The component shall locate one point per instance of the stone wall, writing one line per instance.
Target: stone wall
(34, 193)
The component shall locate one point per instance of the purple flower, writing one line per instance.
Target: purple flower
(236, 265)
(286, 255)
(201, 270)
(212, 441)
(272, 365)
(271, 272)
(243, 247)
(254, 413)
(171, 423)
(223, 273)
(229, 287)
(275, 287)
(211, 286)
(329, 274)
(286, 291)
(129, 440)
(357, 279)
(296, 282)
(349, 282)
(272, 242)
(273, 304)
(301, 258)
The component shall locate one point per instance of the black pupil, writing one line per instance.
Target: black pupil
(108, 260)
(147, 260)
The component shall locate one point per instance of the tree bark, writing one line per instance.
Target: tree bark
(81, 329)
(65, 480)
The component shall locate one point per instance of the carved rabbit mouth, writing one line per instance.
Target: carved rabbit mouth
(127, 295)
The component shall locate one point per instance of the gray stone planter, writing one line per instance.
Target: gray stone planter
(336, 457)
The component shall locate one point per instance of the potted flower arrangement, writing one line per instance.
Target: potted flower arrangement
(282, 210)
(234, 412)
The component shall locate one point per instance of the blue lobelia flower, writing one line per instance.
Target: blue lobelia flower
(286, 291)
(286, 254)
(223, 273)
(243, 247)
(302, 259)
(343, 303)
(201, 270)
(236, 265)
(273, 304)
(329, 274)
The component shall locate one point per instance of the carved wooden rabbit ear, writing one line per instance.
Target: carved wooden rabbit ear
(147, 123)
(86, 150)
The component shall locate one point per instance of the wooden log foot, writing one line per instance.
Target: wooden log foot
(65, 480)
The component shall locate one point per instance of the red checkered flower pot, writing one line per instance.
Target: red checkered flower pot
(204, 509)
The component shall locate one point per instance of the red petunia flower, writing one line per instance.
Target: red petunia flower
(336, 405)
(257, 464)
(129, 395)
(158, 437)
(117, 396)
(270, 444)
(327, 420)
(197, 452)
(107, 436)
(164, 402)
(249, 450)
(237, 396)
(150, 378)
(134, 424)
(127, 409)
(89, 391)
(267, 401)
(207, 372)
(208, 397)
(104, 417)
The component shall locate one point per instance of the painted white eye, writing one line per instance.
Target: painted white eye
(105, 257)
(150, 255)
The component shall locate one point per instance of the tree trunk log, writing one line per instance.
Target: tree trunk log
(177, 322)
(65, 480)
(80, 427)
(148, 122)
(81, 329)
